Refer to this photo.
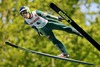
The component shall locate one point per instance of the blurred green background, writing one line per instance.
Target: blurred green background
(13, 29)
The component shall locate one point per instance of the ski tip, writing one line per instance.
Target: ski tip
(54, 7)
(51, 5)
(8, 43)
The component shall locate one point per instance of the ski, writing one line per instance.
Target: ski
(47, 55)
(78, 28)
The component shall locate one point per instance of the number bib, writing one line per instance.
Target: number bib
(36, 20)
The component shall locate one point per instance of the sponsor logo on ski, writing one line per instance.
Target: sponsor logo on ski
(65, 17)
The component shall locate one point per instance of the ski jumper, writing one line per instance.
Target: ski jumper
(46, 23)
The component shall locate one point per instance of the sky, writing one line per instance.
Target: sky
(86, 8)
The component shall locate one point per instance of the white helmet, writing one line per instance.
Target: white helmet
(24, 8)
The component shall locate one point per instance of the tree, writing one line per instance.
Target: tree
(13, 29)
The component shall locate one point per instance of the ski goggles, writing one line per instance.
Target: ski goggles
(23, 12)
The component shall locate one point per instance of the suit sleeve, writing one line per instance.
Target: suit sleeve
(45, 15)
(25, 22)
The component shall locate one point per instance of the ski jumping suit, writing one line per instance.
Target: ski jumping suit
(46, 23)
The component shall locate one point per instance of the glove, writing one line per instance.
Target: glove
(37, 30)
(40, 33)
(60, 18)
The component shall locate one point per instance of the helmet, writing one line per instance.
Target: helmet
(24, 8)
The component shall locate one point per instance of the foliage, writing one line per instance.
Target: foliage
(14, 30)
